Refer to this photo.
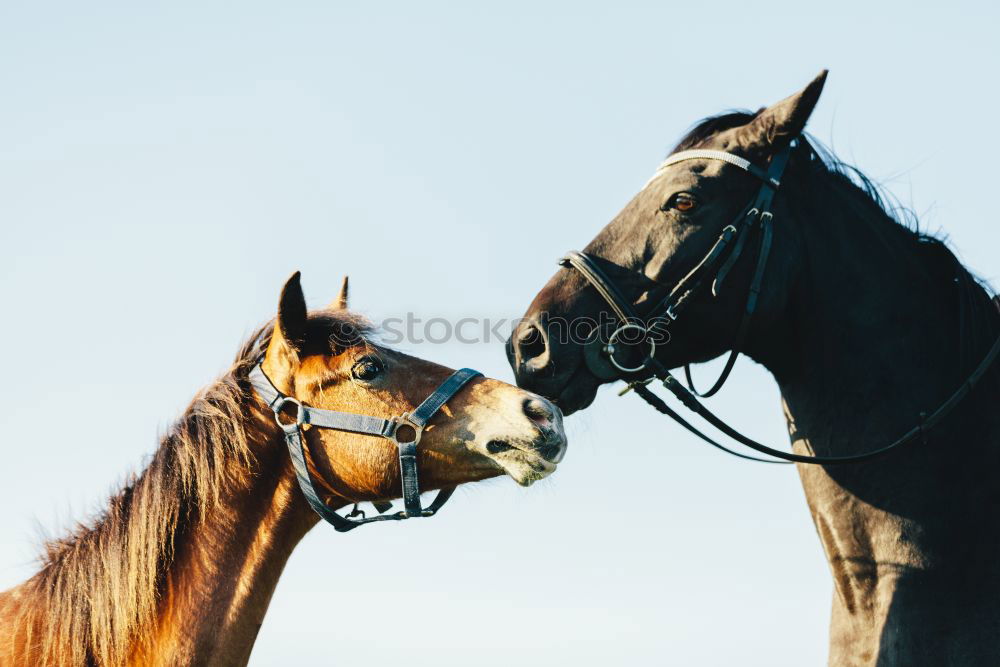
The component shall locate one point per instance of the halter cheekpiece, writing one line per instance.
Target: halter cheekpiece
(392, 429)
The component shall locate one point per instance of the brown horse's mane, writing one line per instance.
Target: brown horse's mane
(99, 587)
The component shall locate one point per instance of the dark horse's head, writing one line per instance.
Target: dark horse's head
(658, 238)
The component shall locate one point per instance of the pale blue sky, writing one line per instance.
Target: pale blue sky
(164, 167)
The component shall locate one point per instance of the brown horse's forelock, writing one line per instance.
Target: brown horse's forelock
(99, 587)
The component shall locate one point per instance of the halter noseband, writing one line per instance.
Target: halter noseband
(732, 239)
(364, 424)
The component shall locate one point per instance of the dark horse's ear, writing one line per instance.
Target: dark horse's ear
(292, 312)
(778, 124)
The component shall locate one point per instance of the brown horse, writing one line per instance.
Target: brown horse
(865, 323)
(181, 566)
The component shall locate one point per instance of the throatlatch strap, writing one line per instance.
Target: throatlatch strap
(296, 451)
(760, 211)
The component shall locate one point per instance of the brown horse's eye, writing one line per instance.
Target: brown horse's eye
(367, 369)
(682, 201)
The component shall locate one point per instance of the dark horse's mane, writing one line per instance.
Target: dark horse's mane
(839, 184)
(99, 586)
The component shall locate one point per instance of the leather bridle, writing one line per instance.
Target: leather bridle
(391, 429)
(714, 267)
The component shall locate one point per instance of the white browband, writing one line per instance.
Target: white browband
(729, 158)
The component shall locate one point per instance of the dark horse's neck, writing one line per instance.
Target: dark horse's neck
(881, 326)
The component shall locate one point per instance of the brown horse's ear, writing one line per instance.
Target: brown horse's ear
(776, 126)
(340, 303)
(292, 312)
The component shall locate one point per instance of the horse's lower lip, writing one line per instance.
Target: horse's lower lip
(575, 396)
(525, 469)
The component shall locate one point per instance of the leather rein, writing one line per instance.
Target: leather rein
(713, 268)
(395, 429)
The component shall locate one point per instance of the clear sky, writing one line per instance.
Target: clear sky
(163, 168)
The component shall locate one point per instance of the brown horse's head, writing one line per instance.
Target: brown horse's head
(327, 359)
(656, 239)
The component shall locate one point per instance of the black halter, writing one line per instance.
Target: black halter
(715, 265)
(377, 426)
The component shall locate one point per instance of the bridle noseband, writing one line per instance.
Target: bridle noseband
(715, 266)
(364, 424)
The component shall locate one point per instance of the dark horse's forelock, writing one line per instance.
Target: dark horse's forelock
(100, 585)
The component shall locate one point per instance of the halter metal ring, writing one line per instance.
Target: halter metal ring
(609, 349)
(300, 413)
(405, 420)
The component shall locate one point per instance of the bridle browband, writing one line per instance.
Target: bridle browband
(364, 424)
(716, 264)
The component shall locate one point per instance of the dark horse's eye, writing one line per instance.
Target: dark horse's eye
(682, 201)
(367, 369)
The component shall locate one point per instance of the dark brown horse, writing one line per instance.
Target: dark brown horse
(180, 568)
(865, 324)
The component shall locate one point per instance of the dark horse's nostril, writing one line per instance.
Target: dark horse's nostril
(530, 342)
(538, 411)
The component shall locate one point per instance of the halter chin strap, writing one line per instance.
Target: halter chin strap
(732, 238)
(364, 424)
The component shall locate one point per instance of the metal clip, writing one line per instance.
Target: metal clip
(300, 413)
(405, 420)
(632, 385)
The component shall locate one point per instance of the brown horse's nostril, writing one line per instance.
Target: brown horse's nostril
(538, 411)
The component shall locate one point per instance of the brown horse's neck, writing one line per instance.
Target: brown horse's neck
(873, 342)
(181, 567)
(218, 588)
